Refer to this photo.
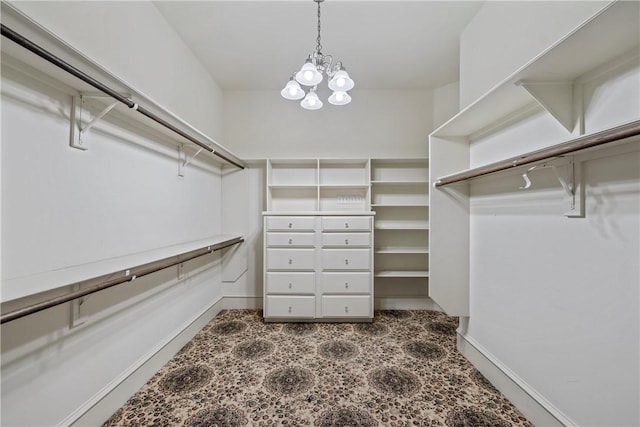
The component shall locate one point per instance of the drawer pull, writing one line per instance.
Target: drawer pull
(289, 285)
(346, 309)
(290, 241)
(346, 225)
(289, 309)
(346, 285)
(346, 241)
(346, 262)
(290, 261)
(290, 225)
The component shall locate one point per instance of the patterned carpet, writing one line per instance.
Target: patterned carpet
(401, 370)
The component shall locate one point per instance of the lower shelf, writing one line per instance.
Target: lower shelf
(402, 273)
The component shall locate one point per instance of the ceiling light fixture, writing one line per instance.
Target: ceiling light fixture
(310, 74)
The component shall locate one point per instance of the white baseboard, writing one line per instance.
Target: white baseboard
(536, 408)
(242, 303)
(98, 409)
(406, 303)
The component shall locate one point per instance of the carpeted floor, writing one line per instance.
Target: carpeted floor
(401, 370)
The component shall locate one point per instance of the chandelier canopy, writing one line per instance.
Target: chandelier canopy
(311, 74)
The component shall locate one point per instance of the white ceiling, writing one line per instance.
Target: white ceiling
(257, 45)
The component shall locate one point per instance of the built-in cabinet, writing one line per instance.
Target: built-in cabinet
(322, 219)
(318, 251)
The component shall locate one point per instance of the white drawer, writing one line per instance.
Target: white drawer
(291, 239)
(290, 259)
(346, 259)
(346, 223)
(346, 239)
(347, 306)
(286, 223)
(290, 306)
(346, 283)
(291, 283)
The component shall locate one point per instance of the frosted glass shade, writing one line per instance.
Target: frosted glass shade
(292, 90)
(308, 74)
(311, 101)
(339, 98)
(341, 81)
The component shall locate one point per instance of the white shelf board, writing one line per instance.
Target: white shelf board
(399, 205)
(608, 35)
(29, 285)
(399, 250)
(329, 186)
(402, 273)
(292, 186)
(402, 227)
(321, 213)
(379, 182)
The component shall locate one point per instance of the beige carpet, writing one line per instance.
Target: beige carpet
(401, 370)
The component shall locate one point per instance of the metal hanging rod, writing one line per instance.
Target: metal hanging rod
(165, 263)
(581, 143)
(60, 63)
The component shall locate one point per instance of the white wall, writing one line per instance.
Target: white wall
(554, 301)
(377, 123)
(446, 103)
(503, 36)
(62, 207)
(134, 42)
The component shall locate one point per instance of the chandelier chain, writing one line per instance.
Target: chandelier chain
(319, 45)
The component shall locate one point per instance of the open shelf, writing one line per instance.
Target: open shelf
(547, 79)
(318, 185)
(400, 197)
(402, 273)
(401, 250)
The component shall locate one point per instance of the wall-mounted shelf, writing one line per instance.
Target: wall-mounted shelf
(34, 50)
(547, 79)
(19, 287)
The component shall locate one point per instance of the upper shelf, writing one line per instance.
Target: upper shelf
(548, 78)
(20, 31)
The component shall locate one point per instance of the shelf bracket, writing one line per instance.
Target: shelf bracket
(572, 185)
(79, 133)
(184, 159)
(555, 97)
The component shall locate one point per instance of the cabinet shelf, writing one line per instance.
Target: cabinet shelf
(402, 273)
(400, 197)
(401, 226)
(358, 186)
(402, 250)
(399, 205)
(399, 182)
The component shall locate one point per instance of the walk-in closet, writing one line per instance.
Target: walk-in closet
(320, 213)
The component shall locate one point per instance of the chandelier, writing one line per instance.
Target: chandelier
(310, 75)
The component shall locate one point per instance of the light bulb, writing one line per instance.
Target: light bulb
(312, 102)
(308, 75)
(341, 81)
(339, 98)
(292, 91)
